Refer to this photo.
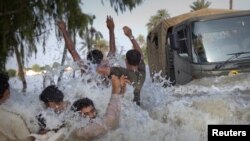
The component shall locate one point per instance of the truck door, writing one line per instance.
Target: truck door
(182, 57)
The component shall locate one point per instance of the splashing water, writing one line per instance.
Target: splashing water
(174, 113)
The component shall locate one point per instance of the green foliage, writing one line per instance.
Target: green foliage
(122, 5)
(200, 4)
(27, 22)
(11, 72)
(36, 68)
(154, 20)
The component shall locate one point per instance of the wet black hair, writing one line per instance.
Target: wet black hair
(4, 84)
(95, 56)
(51, 94)
(82, 103)
(133, 57)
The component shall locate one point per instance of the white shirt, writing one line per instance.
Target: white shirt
(12, 126)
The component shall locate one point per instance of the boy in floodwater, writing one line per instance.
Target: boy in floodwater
(85, 107)
(52, 97)
(12, 125)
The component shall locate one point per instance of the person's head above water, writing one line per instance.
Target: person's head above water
(85, 107)
(95, 56)
(4, 87)
(53, 98)
(133, 57)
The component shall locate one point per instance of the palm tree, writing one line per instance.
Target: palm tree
(200, 4)
(142, 42)
(154, 20)
(92, 34)
(101, 45)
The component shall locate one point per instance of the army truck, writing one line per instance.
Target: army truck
(203, 43)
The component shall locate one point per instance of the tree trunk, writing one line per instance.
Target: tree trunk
(230, 4)
(88, 38)
(62, 63)
(20, 69)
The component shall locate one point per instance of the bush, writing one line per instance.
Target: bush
(36, 68)
(11, 72)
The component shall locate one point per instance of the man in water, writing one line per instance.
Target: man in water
(110, 120)
(12, 126)
(135, 66)
(52, 98)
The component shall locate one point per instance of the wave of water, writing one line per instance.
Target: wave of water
(174, 113)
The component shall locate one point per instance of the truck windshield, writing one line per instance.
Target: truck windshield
(214, 40)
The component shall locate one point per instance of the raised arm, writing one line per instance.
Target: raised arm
(128, 32)
(111, 27)
(69, 43)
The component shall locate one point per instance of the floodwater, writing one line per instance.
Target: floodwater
(174, 113)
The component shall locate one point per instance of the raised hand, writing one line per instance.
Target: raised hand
(124, 81)
(127, 31)
(118, 84)
(110, 23)
(111, 27)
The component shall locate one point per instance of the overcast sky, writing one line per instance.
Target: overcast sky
(136, 19)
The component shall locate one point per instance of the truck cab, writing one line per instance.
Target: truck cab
(208, 42)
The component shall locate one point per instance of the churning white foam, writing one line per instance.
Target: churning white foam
(173, 113)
